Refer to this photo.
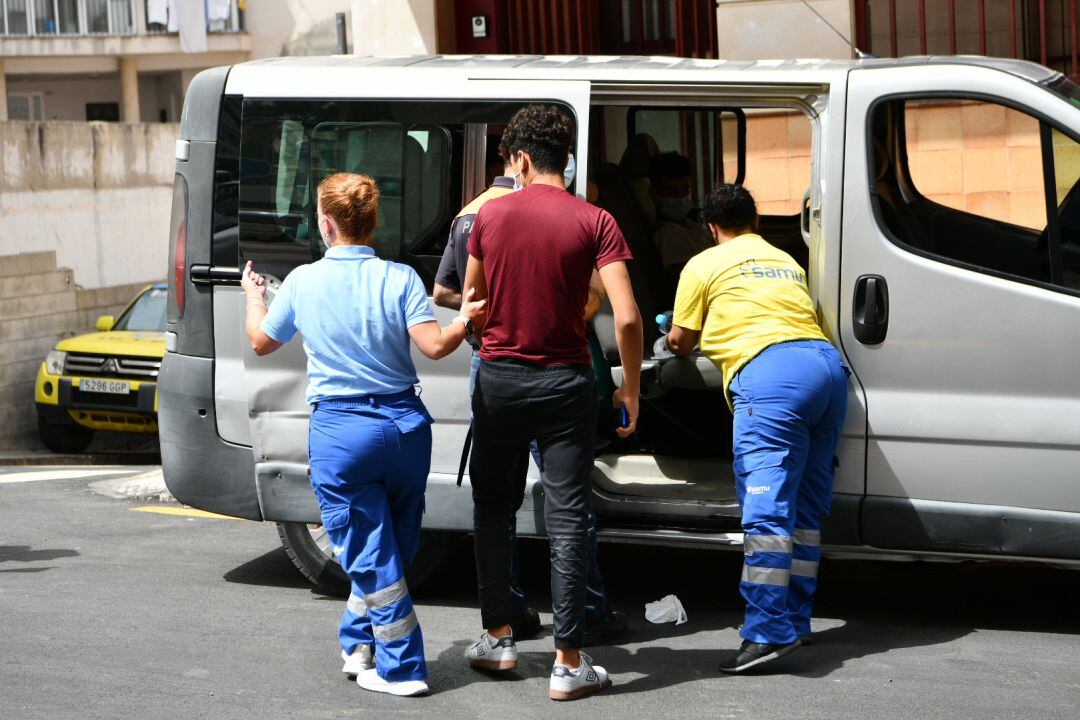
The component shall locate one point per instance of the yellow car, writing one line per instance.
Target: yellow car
(105, 380)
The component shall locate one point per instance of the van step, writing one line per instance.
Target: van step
(695, 480)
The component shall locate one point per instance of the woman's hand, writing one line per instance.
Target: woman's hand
(253, 284)
(475, 311)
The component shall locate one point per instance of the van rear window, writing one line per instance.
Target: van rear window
(415, 151)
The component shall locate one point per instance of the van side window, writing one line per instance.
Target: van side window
(978, 184)
(415, 150)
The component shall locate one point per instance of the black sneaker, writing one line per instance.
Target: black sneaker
(751, 654)
(526, 625)
(611, 626)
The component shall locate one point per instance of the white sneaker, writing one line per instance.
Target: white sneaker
(491, 654)
(370, 680)
(568, 684)
(360, 660)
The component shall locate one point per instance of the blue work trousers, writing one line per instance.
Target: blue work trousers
(595, 594)
(369, 459)
(790, 402)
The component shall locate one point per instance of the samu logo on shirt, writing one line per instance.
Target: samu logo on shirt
(750, 268)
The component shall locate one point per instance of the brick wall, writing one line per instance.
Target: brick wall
(40, 304)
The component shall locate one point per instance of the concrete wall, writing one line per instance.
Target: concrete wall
(767, 29)
(96, 193)
(402, 27)
(40, 304)
(295, 27)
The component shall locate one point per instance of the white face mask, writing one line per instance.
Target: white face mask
(518, 179)
(570, 172)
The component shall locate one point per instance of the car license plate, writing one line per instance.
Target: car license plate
(113, 387)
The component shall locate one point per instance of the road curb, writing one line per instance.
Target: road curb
(45, 458)
(149, 485)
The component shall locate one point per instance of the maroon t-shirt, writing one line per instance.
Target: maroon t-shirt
(539, 247)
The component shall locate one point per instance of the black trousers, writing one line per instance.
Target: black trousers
(512, 404)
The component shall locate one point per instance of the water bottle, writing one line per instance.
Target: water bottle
(659, 349)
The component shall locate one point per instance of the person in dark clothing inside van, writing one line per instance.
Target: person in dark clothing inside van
(602, 623)
(532, 254)
(678, 234)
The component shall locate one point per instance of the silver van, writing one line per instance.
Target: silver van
(934, 202)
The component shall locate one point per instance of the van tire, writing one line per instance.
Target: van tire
(324, 572)
(321, 569)
(64, 438)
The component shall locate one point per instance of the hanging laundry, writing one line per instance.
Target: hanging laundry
(157, 12)
(174, 15)
(192, 16)
(218, 10)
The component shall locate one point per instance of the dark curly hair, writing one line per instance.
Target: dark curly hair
(730, 207)
(543, 131)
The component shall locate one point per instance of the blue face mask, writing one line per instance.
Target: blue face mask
(570, 172)
(675, 208)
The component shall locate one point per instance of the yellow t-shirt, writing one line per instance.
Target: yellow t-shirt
(744, 296)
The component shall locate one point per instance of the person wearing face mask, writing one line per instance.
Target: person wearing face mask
(678, 235)
(602, 624)
(532, 254)
(369, 441)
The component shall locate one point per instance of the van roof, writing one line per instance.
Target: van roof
(619, 67)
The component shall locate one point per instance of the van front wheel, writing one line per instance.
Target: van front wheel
(309, 549)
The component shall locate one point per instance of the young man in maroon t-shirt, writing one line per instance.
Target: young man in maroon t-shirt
(532, 254)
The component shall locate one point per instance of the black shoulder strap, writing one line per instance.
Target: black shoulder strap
(464, 456)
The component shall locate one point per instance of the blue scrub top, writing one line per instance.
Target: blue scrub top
(353, 311)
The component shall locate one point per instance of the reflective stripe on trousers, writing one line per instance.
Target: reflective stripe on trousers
(790, 403)
(369, 467)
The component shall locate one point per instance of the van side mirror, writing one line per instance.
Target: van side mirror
(105, 323)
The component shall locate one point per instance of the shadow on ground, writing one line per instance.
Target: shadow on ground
(869, 608)
(25, 554)
(273, 569)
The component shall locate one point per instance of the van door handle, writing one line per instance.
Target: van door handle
(870, 310)
(215, 275)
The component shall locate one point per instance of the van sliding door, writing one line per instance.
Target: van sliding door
(426, 156)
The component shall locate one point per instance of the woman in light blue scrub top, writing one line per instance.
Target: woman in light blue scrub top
(369, 443)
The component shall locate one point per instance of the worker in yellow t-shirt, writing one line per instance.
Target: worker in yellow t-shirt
(748, 305)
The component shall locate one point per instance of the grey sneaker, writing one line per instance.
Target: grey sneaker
(489, 653)
(567, 684)
(360, 660)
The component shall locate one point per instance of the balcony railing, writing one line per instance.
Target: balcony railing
(50, 18)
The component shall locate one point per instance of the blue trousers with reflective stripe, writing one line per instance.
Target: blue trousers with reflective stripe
(369, 462)
(790, 402)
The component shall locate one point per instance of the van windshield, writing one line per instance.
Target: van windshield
(146, 314)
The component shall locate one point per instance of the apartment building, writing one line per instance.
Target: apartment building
(130, 60)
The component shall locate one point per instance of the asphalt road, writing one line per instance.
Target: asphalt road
(111, 611)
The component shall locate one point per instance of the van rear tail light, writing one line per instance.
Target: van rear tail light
(179, 266)
(177, 272)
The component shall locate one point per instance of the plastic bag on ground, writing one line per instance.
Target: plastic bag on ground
(666, 609)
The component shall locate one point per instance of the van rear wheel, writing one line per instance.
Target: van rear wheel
(308, 546)
(64, 438)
